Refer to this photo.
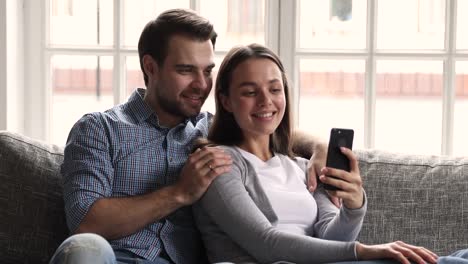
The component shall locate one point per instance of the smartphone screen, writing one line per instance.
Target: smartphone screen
(339, 137)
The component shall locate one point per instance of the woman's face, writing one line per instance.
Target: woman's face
(256, 97)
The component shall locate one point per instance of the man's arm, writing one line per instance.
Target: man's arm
(305, 145)
(114, 218)
(314, 149)
(89, 175)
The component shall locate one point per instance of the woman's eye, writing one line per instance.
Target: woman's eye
(276, 90)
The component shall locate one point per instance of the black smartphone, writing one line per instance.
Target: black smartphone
(339, 137)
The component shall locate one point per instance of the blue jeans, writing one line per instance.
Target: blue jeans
(459, 257)
(92, 248)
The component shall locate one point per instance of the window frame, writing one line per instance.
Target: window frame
(449, 55)
(279, 37)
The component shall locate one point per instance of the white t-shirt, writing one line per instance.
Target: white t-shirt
(285, 186)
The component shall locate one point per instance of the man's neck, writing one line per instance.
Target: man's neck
(164, 119)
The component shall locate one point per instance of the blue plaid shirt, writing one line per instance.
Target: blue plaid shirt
(124, 152)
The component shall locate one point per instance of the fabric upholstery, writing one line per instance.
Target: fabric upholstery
(421, 200)
(417, 199)
(31, 215)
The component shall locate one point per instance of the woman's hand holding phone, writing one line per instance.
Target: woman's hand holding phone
(349, 184)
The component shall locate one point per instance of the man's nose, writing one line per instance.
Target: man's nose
(201, 80)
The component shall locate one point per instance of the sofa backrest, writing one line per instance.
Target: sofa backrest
(422, 200)
(32, 212)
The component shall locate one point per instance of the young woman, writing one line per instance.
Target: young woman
(261, 211)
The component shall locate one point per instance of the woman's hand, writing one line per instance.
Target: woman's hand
(400, 251)
(350, 183)
(316, 163)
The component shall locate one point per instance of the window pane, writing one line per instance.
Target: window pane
(81, 22)
(462, 24)
(409, 106)
(137, 14)
(209, 104)
(333, 24)
(80, 84)
(236, 21)
(134, 75)
(460, 139)
(331, 95)
(410, 24)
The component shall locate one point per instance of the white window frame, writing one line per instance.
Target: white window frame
(11, 65)
(291, 54)
(281, 17)
(37, 104)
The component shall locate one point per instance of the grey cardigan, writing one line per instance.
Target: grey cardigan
(237, 223)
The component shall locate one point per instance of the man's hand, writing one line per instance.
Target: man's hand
(316, 164)
(201, 168)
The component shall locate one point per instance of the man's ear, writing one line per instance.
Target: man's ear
(225, 102)
(150, 66)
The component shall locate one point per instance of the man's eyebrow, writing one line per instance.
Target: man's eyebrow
(184, 66)
(190, 66)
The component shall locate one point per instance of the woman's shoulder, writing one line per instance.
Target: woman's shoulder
(232, 150)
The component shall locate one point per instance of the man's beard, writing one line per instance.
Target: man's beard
(176, 109)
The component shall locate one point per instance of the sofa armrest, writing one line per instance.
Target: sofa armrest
(32, 213)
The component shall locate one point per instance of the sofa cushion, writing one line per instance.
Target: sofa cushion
(32, 210)
(422, 200)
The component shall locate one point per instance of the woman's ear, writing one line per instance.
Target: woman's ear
(150, 66)
(225, 102)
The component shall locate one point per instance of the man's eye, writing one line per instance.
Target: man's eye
(249, 93)
(185, 70)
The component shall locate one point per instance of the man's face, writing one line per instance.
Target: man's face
(178, 88)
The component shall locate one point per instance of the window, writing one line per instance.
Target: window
(393, 70)
(388, 69)
(93, 56)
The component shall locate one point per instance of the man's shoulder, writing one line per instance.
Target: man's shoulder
(116, 113)
(94, 121)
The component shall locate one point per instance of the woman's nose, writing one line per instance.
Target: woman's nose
(264, 99)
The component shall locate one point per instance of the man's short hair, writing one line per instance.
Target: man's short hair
(154, 39)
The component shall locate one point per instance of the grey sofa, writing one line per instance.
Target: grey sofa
(418, 199)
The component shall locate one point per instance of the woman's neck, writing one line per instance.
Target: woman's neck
(259, 147)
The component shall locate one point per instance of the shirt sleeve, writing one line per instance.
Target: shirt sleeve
(229, 205)
(341, 224)
(87, 169)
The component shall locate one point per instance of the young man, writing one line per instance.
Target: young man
(128, 175)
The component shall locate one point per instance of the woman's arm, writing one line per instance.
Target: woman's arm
(230, 206)
(337, 224)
